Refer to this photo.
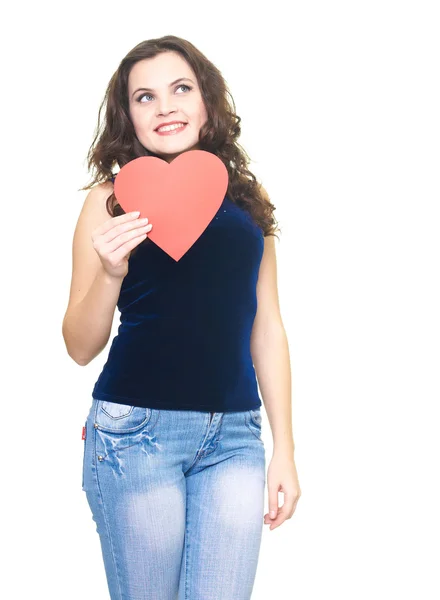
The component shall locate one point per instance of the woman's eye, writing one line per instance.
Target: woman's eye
(143, 96)
(180, 86)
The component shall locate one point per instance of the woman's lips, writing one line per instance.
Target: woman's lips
(172, 131)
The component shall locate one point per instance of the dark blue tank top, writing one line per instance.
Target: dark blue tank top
(183, 342)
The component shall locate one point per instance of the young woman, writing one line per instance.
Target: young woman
(174, 462)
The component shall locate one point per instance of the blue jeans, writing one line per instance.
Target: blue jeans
(178, 500)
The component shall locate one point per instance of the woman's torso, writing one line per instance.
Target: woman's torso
(184, 336)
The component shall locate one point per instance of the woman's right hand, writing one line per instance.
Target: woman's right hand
(116, 238)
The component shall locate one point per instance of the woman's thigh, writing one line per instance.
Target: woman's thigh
(225, 510)
(137, 501)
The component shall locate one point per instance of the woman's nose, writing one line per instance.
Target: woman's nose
(166, 107)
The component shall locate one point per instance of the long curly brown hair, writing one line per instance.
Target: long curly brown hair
(116, 143)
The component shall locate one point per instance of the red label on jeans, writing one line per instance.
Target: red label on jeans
(84, 433)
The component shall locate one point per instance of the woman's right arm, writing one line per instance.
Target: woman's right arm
(87, 324)
(101, 247)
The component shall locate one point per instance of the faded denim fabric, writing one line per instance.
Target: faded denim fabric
(178, 500)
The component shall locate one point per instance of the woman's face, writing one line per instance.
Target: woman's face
(153, 100)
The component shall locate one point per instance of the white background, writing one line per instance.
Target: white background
(340, 115)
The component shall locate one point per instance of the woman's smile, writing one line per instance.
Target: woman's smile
(172, 129)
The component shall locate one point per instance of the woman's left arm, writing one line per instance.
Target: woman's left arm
(270, 355)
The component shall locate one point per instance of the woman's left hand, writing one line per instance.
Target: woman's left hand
(281, 477)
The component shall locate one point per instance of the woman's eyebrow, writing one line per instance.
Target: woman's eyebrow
(172, 83)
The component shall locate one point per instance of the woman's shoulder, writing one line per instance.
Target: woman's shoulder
(105, 188)
(95, 204)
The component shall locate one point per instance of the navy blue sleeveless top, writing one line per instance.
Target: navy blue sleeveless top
(183, 342)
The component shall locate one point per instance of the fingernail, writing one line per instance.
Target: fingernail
(273, 514)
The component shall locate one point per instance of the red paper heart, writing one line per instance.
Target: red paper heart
(179, 198)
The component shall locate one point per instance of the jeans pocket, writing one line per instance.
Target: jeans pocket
(113, 417)
(121, 426)
(253, 421)
(255, 414)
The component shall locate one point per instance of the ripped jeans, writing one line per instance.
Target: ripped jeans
(178, 500)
